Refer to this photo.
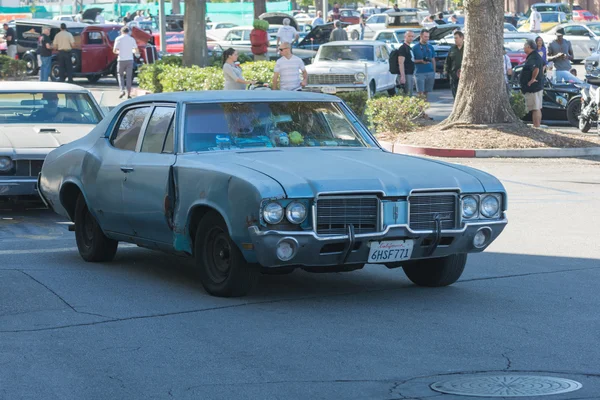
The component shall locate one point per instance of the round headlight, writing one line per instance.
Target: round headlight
(360, 76)
(295, 212)
(469, 206)
(5, 164)
(273, 213)
(490, 206)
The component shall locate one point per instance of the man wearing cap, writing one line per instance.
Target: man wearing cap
(63, 42)
(560, 52)
(531, 81)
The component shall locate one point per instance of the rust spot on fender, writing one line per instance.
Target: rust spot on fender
(251, 220)
(202, 194)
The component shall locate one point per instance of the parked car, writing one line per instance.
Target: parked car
(303, 18)
(517, 57)
(583, 38)
(346, 66)
(32, 126)
(347, 15)
(174, 41)
(550, 7)
(374, 24)
(259, 182)
(219, 25)
(561, 100)
(549, 21)
(92, 55)
(509, 27)
(583, 15)
(368, 11)
(592, 71)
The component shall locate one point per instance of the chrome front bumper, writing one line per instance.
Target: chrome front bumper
(338, 89)
(314, 250)
(18, 187)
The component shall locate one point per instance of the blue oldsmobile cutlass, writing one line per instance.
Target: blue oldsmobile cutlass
(260, 181)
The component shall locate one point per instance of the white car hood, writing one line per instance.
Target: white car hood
(20, 136)
(339, 67)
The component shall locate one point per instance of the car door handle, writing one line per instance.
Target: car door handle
(127, 169)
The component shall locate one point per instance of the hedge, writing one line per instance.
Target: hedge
(12, 69)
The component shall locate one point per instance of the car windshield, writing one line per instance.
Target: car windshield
(346, 53)
(233, 126)
(515, 44)
(550, 17)
(48, 107)
(113, 35)
(509, 28)
(594, 28)
(542, 8)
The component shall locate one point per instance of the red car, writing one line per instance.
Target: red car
(174, 42)
(348, 15)
(583, 15)
(517, 57)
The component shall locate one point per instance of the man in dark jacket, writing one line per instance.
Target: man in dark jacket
(453, 63)
(532, 86)
(338, 33)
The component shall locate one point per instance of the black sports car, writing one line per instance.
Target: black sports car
(562, 100)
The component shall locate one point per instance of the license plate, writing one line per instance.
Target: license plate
(328, 90)
(390, 250)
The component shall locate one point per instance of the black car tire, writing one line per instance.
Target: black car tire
(55, 72)
(573, 111)
(32, 68)
(92, 244)
(222, 268)
(93, 78)
(584, 125)
(354, 35)
(436, 272)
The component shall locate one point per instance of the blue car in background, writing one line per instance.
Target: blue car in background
(252, 182)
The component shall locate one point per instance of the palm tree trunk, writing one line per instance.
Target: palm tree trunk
(482, 96)
(194, 23)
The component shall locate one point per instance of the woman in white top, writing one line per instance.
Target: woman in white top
(234, 80)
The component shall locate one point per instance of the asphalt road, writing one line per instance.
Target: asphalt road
(142, 327)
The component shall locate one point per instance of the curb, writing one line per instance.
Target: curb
(141, 92)
(491, 153)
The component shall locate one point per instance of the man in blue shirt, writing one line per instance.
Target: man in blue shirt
(424, 57)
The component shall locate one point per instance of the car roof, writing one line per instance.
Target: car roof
(400, 30)
(51, 22)
(224, 96)
(351, 42)
(20, 87)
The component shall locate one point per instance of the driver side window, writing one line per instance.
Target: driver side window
(129, 127)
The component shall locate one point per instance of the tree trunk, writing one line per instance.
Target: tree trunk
(194, 24)
(175, 7)
(260, 7)
(482, 96)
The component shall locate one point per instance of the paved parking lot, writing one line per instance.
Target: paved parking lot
(142, 327)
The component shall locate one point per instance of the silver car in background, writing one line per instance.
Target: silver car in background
(36, 118)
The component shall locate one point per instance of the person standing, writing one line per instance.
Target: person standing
(125, 46)
(127, 18)
(453, 63)
(406, 64)
(335, 12)
(287, 70)
(234, 80)
(424, 57)
(63, 42)
(531, 82)
(100, 18)
(363, 26)
(318, 20)
(259, 40)
(507, 71)
(338, 33)
(11, 41)
(535, 21)
(287, 33)
(45, 48)
(541, 49)
(78, 17)
(440, 19)
(560, 52)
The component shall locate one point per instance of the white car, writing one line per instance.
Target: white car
(304, 18)
(36, 118)
(347, 66)
(368, 11)
(374, 24)
(219, 25)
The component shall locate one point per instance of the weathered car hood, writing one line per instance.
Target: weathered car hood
(306, 172)
(338, 67)
(30, 137)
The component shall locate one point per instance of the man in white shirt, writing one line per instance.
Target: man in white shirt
(319, 20)
(287, 33)
(535, 21)
(125, 47)
(287, 70)
(100, 18)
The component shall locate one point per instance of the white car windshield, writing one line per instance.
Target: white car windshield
(47, 107)
(346, 53)
(234, 126)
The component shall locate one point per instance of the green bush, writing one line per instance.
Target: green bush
(261, 71)
(394, 114)
(356, 100)
(517, 102)
(148, 77)
(11, 68)
(171, 60)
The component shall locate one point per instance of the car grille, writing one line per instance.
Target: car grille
(425, 208)
(28, 167)
(335, 214)
(331, 79)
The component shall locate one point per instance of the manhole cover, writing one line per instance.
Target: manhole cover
(506, 386)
